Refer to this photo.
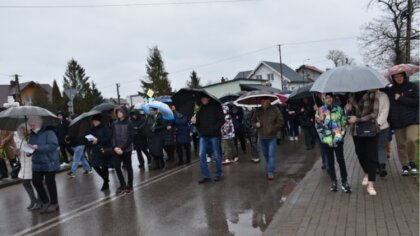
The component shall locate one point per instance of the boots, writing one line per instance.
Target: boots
(382, 170)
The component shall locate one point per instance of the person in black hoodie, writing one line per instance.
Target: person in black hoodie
(122, 142)
(404, 119)
(140, 139)
(208, 120)
(155, 128)
(62, 130)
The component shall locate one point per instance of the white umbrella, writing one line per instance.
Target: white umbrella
(11, 118)
(349, 79)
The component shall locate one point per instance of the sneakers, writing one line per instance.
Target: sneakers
(405, 171)
(270, 176)
(334, 187)
(120, 190)
(71, 174)
(413, 168)
(64, 165)
(255, 160)
(226, 161)
(50, 209)
(208, 159)
(217, 178)
(371, 191)
(365, 181)
(291, 138)
(128, 189)
(346, 187)
(87, 172)
(204, 180)
(235, 159)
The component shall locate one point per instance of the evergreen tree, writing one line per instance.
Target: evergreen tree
(157, 77)
(40, 98)
(195, 80)
(58, 103)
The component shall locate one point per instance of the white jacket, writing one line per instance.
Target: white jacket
(25, 162)
(382, 118)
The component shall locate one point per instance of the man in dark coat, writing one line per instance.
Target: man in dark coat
(208, 120)
(140, 139)
(62, 131)
(404, 119)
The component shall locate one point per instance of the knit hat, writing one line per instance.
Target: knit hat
(97, 117)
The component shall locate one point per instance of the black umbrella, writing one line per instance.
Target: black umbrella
(186, 99)
(105, 106)
(301, 92)
(84, 115)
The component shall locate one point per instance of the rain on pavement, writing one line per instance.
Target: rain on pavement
(167, 202)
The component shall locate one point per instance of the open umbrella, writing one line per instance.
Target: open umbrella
(186, 100)
(282, 97)
(105, 106)
(409, 69)
(231, 97)
(11, 118)
(253, 98)
(301, 92)
(163, 108)
(83, 116)
(349, 79)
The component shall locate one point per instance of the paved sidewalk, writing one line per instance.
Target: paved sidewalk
(312, 209)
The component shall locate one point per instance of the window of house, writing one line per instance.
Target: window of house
(270, 76)
(259, 77)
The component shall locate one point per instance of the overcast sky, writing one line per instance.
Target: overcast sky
(215, 39)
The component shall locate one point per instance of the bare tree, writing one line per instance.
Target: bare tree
(339, 58)
(391, 38)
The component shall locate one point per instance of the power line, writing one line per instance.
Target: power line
(319, 41)
(122, 4)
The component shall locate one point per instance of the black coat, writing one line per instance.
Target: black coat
(62, 130)
(104, 135)
(404, 111)
(210, 119)
(155, 138)
(140, 139)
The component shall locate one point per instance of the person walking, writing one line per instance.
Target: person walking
(45, 163)
(331, 128)
(183, 137)
(100, 160)
(251, 134)
(363, 109)
(140, 139)
(306, 120)
(268, 120)
(293, 110)
(404, 119)
(208, 120)
(228, 138)
(122, 143)
(62, 131)
(155, 129)
(383, 137)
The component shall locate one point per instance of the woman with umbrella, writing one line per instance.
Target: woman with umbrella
(45, 163)
(100, 160)
(404, 116)
(156, 127)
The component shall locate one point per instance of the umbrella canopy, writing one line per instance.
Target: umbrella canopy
(409, 69)
(231, 97)
(415, 78)
(253, 98)
(186, 100)
(165, 99)
(349, 79)
(11, 118)
(105, 106)
(163, 108)
(301, 92)
(83, 116)
(282, 97)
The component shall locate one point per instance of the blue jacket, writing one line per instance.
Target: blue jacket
(183, 128)
(45, 158)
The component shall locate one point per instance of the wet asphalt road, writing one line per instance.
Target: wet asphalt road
(167, 202)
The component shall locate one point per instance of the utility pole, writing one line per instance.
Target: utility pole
(281, 70)
(17, 93)
(118, 93)
(408, 35)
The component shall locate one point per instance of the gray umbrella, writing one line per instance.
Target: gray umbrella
(349, 79)
(253, 98)
(12, 117)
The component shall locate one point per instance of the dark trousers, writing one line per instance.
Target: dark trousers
(3, 169)
(308, 132)
(195, 140)
(125, 158)
(38, 179)
(294, 127)
(241, 139)
(64, 149)
(140, 156)
(339, 154)
(159, 162)
(170, 151)
(187, 148)
(27, 184)
(367, 153)
(102, 172)
(256, 152)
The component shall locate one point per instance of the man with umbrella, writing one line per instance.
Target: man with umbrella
(268, 120)
(208, 120)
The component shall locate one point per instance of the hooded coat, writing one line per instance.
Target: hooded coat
(123, 131)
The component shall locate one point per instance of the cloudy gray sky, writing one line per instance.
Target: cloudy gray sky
(215, 39)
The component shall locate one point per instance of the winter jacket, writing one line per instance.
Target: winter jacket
(365, 110)
(228, 129)
(139, 139)
(104, 135)
(62, 130)
(45, 158)
(123, 132)
(77, 133)
(271, 121)
(332, 128)
(383, 114)
(249, 129)
(210, 119)
(183, 128)
(404, 111)
(157, 127)
(25, 171)
(8, 143)
(169, 134)
(306, 117)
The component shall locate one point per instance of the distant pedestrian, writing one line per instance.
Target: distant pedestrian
(208, 120)
(293, 110)
(45, 163)
(363, 107)
(404, 119)
(251, 135)
(306, 121)
(237, 115)
(268, 120)
(138, 119)
(331, 128)
(156, 129)
(122, 142)
(183, 132)
(228, 138)
(62, 131)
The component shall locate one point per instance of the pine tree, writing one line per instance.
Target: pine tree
(58, 103)
(195, 80)
(157, 77)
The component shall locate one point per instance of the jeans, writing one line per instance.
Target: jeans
(214, 143)
(268, 147)
(79, 156)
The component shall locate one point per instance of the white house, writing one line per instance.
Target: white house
(310, 73)
(230, 86)
(271, 72)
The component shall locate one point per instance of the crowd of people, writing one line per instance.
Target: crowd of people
(101, 141)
